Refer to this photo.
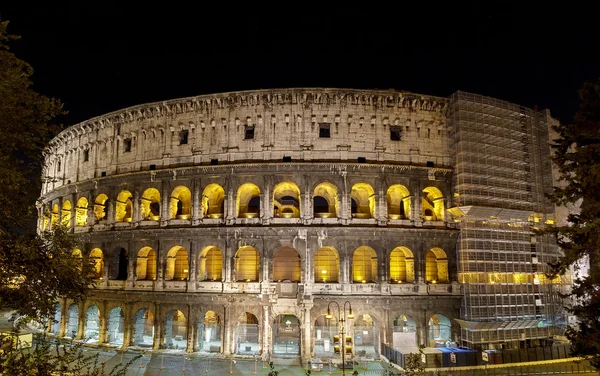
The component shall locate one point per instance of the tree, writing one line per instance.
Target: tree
(577, 155)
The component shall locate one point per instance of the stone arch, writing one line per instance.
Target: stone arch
(175, 330)
(366, 336)
(210, 265)
(247, 334)
(248, 201)
(124, 207)
(327, 265)
(55, 216)
(210, 332)
(72, 321)
(65, 219)
(432, 204)
(286, 265)
(100, 207)
(150, 205)
(364, 265)
(57, 319)
(143, 328)
(81, 212)
(325, 201)
(286, 200)
(116, 327)
(119, 273)
(436, 266)
(213, 201)
(363, 195)
(145, 267)
(326, 335)
(78, 256)
(404, 331)
(92, 324)
(97, 259)
(247, 264)
(398, 202)
(177, 266)
(180, 204)
(439, 329)
(286, 334)
(402, 265)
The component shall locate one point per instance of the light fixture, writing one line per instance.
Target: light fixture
(328, 316)
(350, 315)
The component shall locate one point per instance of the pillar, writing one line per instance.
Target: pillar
(158, 328)
(103, 324)
(228, 332)
(72, 222)
(307, 336)
(80, 321)
(197, 213)
(164, 205)
(137, 206)
(191, 330)
(229, 206)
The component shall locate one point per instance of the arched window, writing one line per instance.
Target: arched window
(177, 268)
(97, 260)
(180, 206)
(398, 202)
(364, 265)
(151, 205)
(248, 201)
(247, 264)
(325, 201)
(213, 200)
(327, 265)
(76, 254)
(286, 200)
(209, 333)
(92, 324)
(81, 212)
(246, 334)
(436, 266)
(66, 214)
(405, 331)
(286, 265)
(439, 328)
(211, 264)
(402, 265)
(54, 215)
(116, 327)
(175, 330)
(124, 207)
(433, 204)
(72, 321)
(100, 207)
(364, 197)
(143, 328)
(145, 268)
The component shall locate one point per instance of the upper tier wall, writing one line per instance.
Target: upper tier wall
(286, 122)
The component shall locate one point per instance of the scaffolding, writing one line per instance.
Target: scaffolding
(502, 179)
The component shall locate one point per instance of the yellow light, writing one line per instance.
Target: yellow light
(328, 315)
(323, 271)
(434, 281)
(350, 315)
(363, 281)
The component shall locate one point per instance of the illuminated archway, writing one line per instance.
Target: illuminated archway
(325, 335)
(364, 197)
(100, 206)
(116, 327)
(247, 264)
(213, 200)
(364, 265)
(78, 256)
(97, 260)
(177, 267)
(72, 321)
(327, 265)
(286, 335)
(398, 202)
(325, 201)
(124, 207)
(286, 265)
(432, 204)
(439, 329)
(92, 324)
(405, 331)
(248, 201)
(57, 318)
(366, 336)
(246, 334)
(150, 205)
(286, 200)
(175, 330)
(143, 328)
(211, 264)
(209, 333)
(55, 215)
(402, 265)
(180, 204)
(145, 268)
(436, 266)
(65, 219)
(81, 212)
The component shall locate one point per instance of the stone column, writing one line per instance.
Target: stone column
(131, 263)
(191, 329)
(265, 346)
(264, 211)
(158, 328)
(110, 208)
(72, 222)
(227, 336)
(63, 319)
(91, 215)
(228, 256)
(193, 262)
(164, 205)
(80, 321)
(382, 214)
(197, 213)
(307, 337)
(230, 207)
(103, 325)
(160, 265)
(137, 206)
(417, 211)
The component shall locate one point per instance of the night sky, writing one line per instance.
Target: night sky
(98, 59)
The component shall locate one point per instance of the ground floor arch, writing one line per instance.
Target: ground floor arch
(72, 321)
(175, 331)
(404, 331)
(56, 319)
(439, 329)
(246, 334)
(210, 333)
(286, 335)
(143, 328)
(92, 324)
(366, 336)
(326, 335)
(116, 327)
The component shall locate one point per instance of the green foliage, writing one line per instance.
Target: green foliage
(577, 155)
(412, 366)
(272, 371)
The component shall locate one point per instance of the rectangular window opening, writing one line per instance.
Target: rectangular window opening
(103, 173)
(214, 162)
(324, 130)
(362, 160)
(287, 159)
(86, 155)
(152, 167)
(249, 133)
(127, 145)
(395, 134)
(430, 164)
(183, 137)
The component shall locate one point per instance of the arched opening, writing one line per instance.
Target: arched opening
(72, 321)
(247, 264)
(124, 207)
(436, 266)
(366, 337)
(432, 204)
(92, 324)
(209, 333)
(402, 265)
(175, 331)
(145, 268)
(286, 265)
(398, 202)
(177, 268)
(97, 261)
(213, 200)
(76, 254)
(116, 327)
(327, 265)
(246, 334)
(364, 199)
(122, 265)
(55, 215)
(325, 202)
(150, 205)
(56, 319)
(211, 264)
(286, 335)
(65, 219)
(180, 205)
(143, 328)
(326, 335)
(364, 265)
(286, 200)
(100, 207)
(405, 331)
(81, 212)
(248, 201)
(439, 330)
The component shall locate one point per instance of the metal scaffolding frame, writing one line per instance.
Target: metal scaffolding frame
(502, 177)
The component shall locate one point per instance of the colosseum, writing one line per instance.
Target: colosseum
(260, 223)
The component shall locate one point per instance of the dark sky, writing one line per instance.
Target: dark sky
(97, 59)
